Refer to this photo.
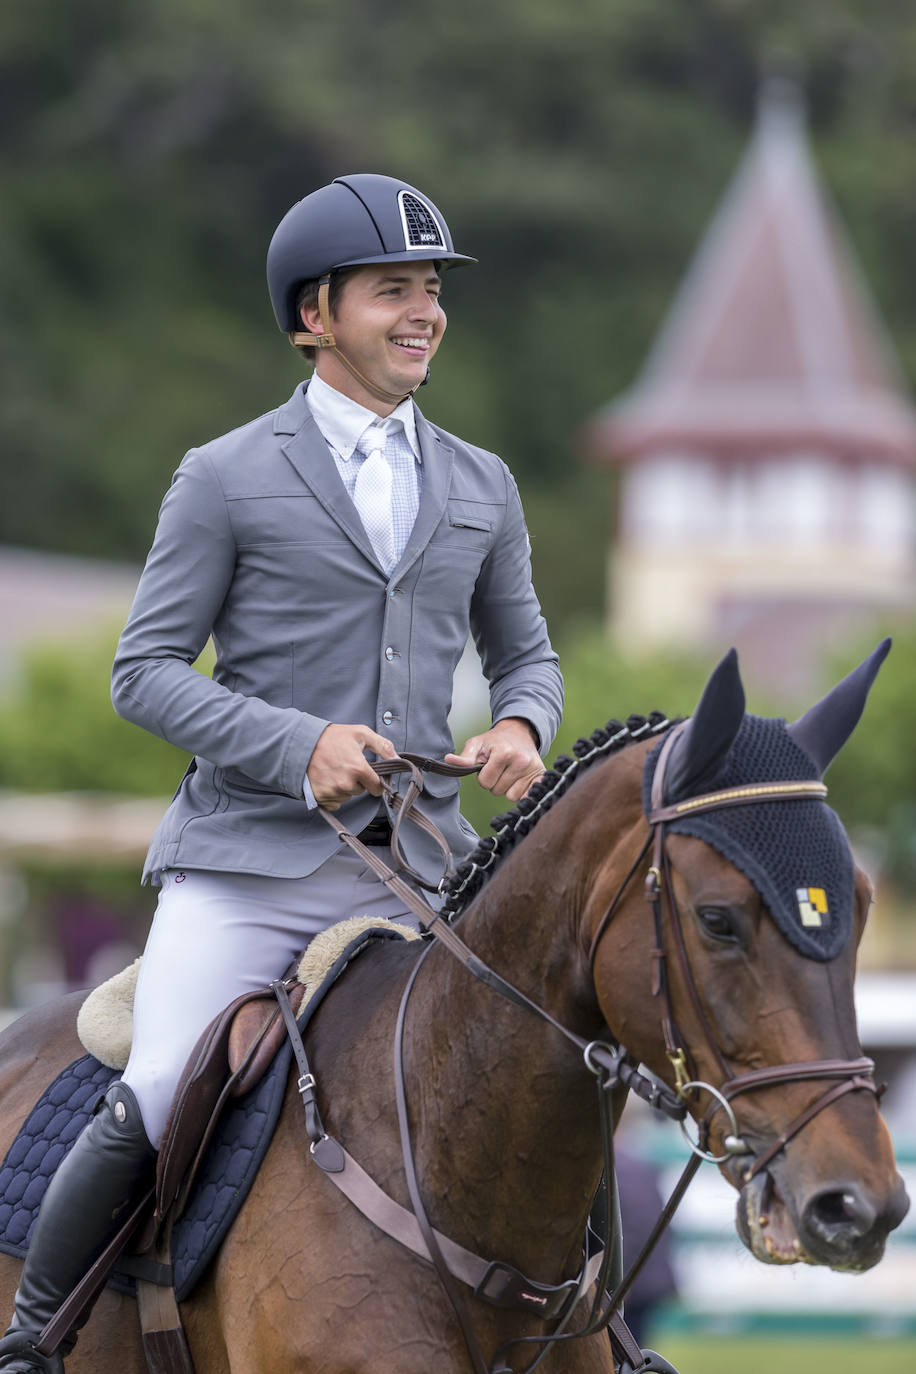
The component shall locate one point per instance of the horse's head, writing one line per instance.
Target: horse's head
(759, 909)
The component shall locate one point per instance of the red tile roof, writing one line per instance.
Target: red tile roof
(773, 343)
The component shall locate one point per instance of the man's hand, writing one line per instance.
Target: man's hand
(509, 755)
(339, 769)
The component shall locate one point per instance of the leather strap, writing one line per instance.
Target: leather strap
(495, 1282)
(87, 1290)
(164, 1342)
(850, 1085)
(797, 1073)
(739, 796)
(327, 340)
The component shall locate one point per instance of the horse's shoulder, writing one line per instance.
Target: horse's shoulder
(364, 1000)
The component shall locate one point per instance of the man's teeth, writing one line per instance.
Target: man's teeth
(412, 343)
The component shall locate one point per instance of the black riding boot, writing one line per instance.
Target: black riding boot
(87, 1201)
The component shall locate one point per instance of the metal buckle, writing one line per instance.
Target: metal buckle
(678, 1061)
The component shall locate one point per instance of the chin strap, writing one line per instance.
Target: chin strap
(327, 340)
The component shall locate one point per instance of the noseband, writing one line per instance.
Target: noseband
(854, 1075)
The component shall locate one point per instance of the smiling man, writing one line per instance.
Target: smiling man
(339, 550)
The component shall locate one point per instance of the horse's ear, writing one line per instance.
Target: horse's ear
(710, 732)
(824, 729)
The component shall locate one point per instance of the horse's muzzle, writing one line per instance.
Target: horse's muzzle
(840, 1226)
(844, 1227)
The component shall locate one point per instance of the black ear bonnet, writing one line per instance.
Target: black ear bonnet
(796, 853)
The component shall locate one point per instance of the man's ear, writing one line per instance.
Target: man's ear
(310, 318)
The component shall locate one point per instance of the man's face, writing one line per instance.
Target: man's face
(388, 322)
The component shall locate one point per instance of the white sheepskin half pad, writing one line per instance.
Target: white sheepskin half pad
(327, 948)
(106, 1019)
(105, 1023)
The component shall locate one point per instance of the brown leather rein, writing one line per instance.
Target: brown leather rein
(611, 1065)
(497, 1282)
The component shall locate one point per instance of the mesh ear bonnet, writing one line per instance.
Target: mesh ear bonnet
(795, 853)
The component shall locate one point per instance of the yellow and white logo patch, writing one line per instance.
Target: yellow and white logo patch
(812, 905)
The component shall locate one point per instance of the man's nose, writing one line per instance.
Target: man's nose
(423, 307)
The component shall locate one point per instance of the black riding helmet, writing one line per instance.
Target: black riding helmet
(356, 220)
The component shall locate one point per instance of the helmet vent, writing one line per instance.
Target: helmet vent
(421, 228)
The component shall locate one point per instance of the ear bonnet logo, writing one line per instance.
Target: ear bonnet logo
(812, 905)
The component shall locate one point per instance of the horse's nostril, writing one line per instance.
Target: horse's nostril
(841, 1214)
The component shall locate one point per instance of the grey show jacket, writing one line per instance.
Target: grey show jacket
(259, 544)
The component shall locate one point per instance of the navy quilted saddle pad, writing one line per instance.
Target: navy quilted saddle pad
(233, 1157)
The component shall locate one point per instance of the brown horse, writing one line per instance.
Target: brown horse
(503, 1123)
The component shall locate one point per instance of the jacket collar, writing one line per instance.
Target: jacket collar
(308, 452)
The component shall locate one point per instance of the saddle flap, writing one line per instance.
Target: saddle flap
(228, 1060)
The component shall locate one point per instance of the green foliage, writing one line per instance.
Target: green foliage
(58, 731)
(604, 681)
(149, 150)
(872, 784)
(847, 1354)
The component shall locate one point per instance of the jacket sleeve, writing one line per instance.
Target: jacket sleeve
(510, 633)
(182, 589)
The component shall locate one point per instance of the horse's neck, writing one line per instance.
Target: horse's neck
(505, 1092)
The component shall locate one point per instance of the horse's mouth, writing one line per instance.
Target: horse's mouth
(765, 1225)
(830, 1233)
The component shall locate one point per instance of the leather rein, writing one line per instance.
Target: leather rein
(496, 1282)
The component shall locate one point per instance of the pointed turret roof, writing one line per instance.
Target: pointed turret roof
(773, 342)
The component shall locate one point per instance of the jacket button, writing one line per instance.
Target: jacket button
(390, 653)
(388, 717)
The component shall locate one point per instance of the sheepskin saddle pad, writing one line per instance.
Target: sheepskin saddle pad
(236, 1148)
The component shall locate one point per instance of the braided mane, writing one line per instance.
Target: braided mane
(511, 826)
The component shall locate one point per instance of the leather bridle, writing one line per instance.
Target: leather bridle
(854, 1075)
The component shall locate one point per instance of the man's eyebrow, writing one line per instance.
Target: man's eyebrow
(393, 278)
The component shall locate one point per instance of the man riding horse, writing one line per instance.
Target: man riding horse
(339, 550)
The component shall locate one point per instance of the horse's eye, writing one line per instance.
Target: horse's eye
(717, 923)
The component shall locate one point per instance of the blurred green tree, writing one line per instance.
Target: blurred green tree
(58, 731)
(148, 150)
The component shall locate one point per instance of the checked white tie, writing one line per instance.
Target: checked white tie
(372, 498)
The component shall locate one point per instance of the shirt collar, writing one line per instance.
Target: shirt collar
(343, 421)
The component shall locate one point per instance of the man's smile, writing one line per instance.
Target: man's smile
(411, 342)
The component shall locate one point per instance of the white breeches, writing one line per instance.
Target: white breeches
(216, 935)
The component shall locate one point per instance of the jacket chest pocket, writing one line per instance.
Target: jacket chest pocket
(464, 528)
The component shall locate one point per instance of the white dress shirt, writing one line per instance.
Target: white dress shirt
(343, 423)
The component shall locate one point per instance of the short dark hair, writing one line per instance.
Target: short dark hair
(307, 295)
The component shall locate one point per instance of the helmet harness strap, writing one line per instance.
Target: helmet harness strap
(327, 340)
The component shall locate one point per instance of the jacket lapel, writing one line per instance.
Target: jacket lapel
(308, 452)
